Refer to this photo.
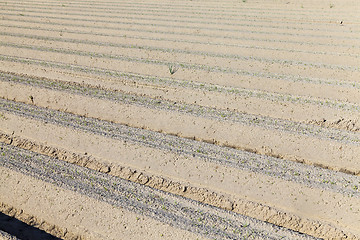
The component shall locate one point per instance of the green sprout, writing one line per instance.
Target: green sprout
(173, 69)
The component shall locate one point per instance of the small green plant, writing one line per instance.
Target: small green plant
(245, 225)
(2, 116)
(244, 1)
(173, 69)
(332, 5)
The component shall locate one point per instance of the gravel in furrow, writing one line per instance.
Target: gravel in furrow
(346, 137)
(168, 208)
(171, 32)
(291, 171)
(149, 48)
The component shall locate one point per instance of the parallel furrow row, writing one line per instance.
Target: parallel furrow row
(179, 119)
(177, 26)
(265, 165)
(224, 22)
(146, 5)
(186, 214)
(171, 40)
(169, 50)
(223, 14)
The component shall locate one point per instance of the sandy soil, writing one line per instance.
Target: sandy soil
(258, 118)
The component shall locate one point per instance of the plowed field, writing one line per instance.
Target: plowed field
(180, 119)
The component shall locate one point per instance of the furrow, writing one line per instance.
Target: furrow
(236, 34)
(226, 5)
(337, 91)
(266, 165)
(222, 40)
(224, 14)
(178, 212)
(194, 109)
(169, 119)
(191, 63)
(202, 67)
(317, 178)
(118, 107)
(231, 22)
(234, 57)
(208, 28)
(173, 41)
(162, 6)
(156, 18)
